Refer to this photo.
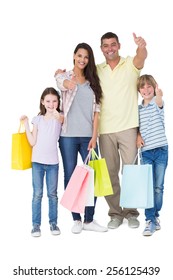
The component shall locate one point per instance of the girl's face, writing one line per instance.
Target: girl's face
(147, 92)
(50, 103)
(81, 58)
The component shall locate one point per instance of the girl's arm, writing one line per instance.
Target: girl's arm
(93, 141)
(31, 136)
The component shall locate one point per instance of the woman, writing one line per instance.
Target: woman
(81, 97)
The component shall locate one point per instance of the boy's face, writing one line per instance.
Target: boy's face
(147, 92)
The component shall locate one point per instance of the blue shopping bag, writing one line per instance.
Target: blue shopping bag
(137, 186)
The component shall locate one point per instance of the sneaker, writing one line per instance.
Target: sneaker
(157, 222)
(149, 229)
(77, 227)
(114, 223)
(133, 222)
(36, 232)
(94, 226)
(54, 229)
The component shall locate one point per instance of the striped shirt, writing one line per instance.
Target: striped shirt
(151, 126)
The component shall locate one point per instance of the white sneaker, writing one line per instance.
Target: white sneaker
(93, 226)
(77, 227)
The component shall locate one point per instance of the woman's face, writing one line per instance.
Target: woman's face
(81, 58)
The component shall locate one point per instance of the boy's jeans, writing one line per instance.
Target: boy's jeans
(159, 159)
(38, 172)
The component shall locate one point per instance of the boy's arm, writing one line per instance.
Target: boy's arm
(158, 98)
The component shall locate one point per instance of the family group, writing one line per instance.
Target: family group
(96, 107)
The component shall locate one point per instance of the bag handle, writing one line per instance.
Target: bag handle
(140, 155)
(21, 126)
(94, 154)
(87, 157)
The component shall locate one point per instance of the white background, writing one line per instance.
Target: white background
(37, 37)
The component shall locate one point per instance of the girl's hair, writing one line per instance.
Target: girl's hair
(90, 71)
(49, 90)
(142, 80)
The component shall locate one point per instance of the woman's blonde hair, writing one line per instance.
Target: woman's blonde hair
(142, 80)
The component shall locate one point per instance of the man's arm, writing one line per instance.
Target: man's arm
(141, 52)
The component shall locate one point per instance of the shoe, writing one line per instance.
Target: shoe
(149, 229)
(54, 229)
(157, 222)
(133, 222)
(77, 227)
(36, 232)
(114, 223)
(94, 226)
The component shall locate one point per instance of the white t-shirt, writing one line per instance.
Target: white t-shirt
(45, 150)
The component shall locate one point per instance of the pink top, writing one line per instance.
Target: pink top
(45, 150)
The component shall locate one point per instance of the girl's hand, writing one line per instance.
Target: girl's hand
(24, 119)
(61, 118)
(58, 116)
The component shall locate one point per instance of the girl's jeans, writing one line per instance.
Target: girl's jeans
(38, 172)
(159, 159)
(70, 147)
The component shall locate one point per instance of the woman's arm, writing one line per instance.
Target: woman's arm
(93, 141)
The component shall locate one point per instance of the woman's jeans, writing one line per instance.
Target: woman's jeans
(38, 172)
(158, 158)
(70, 147)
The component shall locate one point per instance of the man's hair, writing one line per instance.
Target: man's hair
(109, 35)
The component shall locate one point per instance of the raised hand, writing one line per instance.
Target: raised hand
(139, 41)
(159, 95)
(70, 84)
(59, 71)
(158, 91)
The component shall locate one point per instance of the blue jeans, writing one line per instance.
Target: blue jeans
(70, 147)
(158, 158)
(38, 172)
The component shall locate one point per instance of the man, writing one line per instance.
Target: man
(119, 117)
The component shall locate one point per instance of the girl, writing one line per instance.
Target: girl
(81, 97)
(153, 143)
(45, 160)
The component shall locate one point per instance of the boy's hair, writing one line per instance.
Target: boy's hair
(49, 90)
(142, 80)
(109, 35)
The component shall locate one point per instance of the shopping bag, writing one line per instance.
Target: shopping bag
(80, 190)
(137, 186)
(102, 182)
(21, 151)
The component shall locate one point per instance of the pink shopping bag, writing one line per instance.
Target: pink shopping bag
(77, 194)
